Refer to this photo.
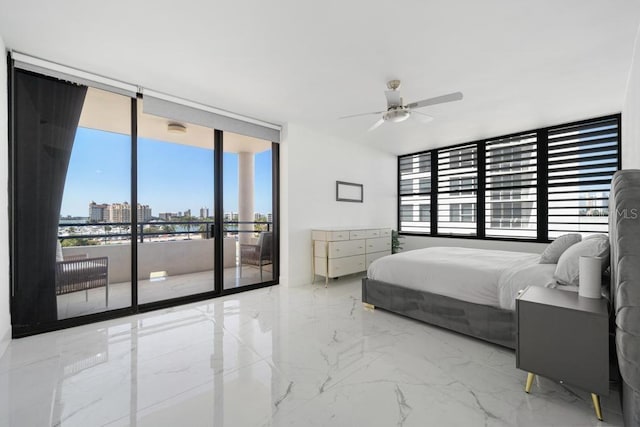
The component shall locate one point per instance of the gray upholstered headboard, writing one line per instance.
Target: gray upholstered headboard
(624, 235)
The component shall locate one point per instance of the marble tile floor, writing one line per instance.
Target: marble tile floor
(77, 303)
(278, 356)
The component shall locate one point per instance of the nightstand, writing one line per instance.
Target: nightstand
(564, 337)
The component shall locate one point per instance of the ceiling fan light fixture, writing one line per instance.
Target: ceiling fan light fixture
(176, 128)
(396, 115)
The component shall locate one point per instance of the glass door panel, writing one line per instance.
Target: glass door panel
(94, 235)
(248, 215)
(175, 208)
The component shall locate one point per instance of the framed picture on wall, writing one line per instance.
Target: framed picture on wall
(349, 192)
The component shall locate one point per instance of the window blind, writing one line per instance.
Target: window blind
(457, 190)
(582, 160)
(511, 181)
(415, 193)
(174, 108)
(62, 72)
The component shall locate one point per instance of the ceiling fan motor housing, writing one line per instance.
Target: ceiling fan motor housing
(396, 115)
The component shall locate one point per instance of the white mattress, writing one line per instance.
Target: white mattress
(478, 276)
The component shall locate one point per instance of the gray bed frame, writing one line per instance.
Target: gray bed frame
(482, 321)
(498, 326)
(624, 236)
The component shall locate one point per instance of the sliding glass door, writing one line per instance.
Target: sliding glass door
(175, 209)
(117, 209)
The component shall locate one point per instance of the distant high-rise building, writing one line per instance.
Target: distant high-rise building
(98, 212)
(144, 213)
(231, 216)
(269, 217)
(117, 212)
(167, 216)
(120, 212)
(187, 212)
(204, 212)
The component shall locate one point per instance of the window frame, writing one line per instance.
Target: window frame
(542, 201)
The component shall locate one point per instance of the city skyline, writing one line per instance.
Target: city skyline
(171, 177)
(102, 212)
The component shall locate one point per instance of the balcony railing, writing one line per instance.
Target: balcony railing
(108, 232)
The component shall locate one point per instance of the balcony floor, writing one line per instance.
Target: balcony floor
(81, 303)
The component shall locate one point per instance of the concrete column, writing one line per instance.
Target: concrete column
(245, 194)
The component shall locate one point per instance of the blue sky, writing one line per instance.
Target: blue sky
(171, 177)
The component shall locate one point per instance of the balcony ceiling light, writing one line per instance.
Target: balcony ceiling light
(176, 128)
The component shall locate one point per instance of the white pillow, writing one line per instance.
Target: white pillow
(552, 253)
(568, 271)
(596, 236)
(59, 255)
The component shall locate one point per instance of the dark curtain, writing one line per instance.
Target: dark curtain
(46, 116)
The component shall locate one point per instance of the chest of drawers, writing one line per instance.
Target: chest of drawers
(341, 251)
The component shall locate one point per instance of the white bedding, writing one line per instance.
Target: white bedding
(474, 275)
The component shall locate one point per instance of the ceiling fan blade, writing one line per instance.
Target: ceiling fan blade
(393, 98)
(455, 96)
(361, 114)
(376, 125)
(421, 117)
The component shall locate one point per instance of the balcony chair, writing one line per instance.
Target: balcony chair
(257, 255)
(76, 273)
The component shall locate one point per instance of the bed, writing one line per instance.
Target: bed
(477, 314)
(471, 291)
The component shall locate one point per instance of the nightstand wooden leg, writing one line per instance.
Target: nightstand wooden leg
(368, 306)
(530, 378)
(596, 405)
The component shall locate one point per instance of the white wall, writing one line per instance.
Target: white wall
(631, 113)
(311, 163)
(5, 320)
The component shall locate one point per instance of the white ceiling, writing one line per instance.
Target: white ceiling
(520, 64)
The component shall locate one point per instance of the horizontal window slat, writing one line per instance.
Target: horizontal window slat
(500, 166)
(592, 124)
(510, 187)
(584, 159)
(604, 142)
(599, 182)
(511, 171)
(579, 178)
(578, 199)
(491, 156)
(460, 148)
(445, 176)
(574, 208)
(587, 135)
(610, 170)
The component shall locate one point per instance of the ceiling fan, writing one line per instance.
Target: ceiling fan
(397, 111)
